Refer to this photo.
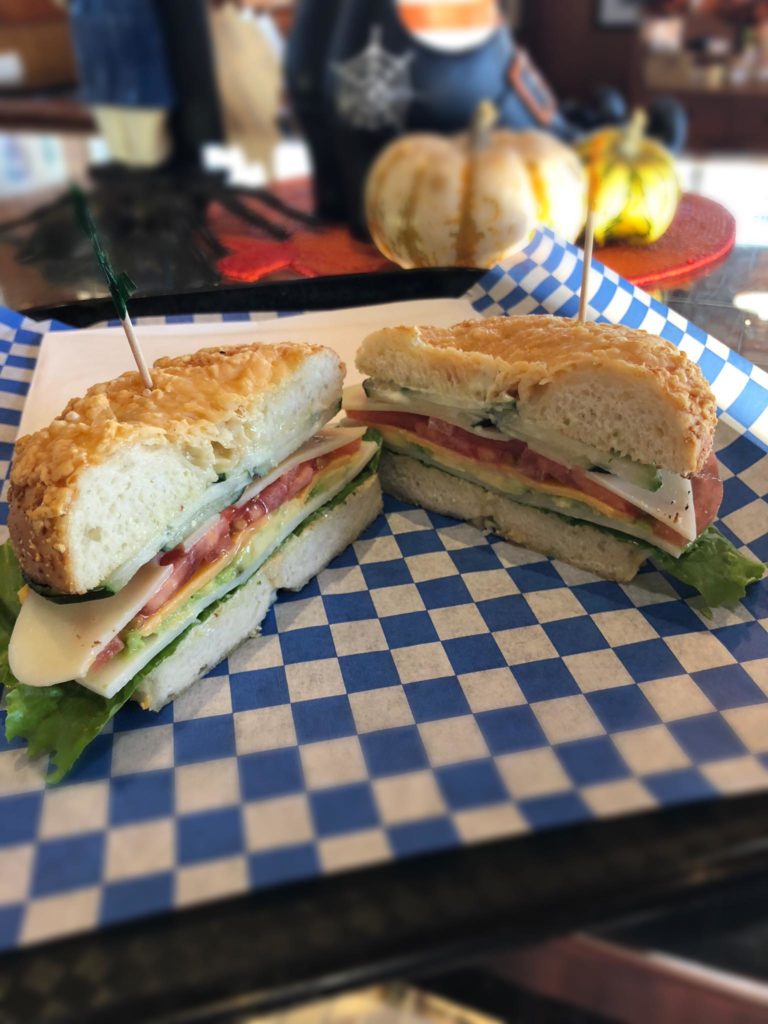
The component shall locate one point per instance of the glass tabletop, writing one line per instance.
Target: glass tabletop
(730, 302)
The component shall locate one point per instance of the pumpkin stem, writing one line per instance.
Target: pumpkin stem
(634, 132)
(483, 120)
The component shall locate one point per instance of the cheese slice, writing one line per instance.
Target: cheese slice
(197, 517)
(480, 421)
(279, 525)
(322, 443)
(53, 643)
(355, 399)
(672, 503)
(506, 481)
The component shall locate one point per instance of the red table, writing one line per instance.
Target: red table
(701, 235)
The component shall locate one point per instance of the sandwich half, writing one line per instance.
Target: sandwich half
(150, 531)
(591, 443)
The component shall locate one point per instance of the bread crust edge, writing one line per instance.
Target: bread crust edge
(48, 464)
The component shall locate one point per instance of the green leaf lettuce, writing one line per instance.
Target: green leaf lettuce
(62, 720)
(714, 567)
(57, 720)
(11, 581)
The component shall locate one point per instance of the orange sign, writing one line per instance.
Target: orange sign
(450, 25)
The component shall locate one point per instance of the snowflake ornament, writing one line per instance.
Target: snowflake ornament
(373, 88)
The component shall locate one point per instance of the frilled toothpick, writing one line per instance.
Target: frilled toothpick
(121, 287)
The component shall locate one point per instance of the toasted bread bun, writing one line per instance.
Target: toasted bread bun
(119, 465)
(240, 615)
(616, 389)
(579, 544)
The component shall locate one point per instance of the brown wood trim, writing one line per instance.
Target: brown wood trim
(56, 113)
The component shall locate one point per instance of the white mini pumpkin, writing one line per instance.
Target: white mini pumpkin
(558, 179)
(433, 201)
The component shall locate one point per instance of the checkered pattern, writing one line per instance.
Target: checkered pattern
(546, 278)
(432, 687)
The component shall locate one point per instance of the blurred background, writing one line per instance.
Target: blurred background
(230, 142)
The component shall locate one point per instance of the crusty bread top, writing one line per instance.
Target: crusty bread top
(191, 396)
(194, 408)
(566, 376)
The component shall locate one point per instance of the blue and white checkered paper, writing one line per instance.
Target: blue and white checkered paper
(433, 687)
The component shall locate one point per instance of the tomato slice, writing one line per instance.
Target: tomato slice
(539, 467)
(587, 486)
(220, 537)
(707, 493)
(446, 435)
(348, 449)
(288, 486)
(185, 564)
(208, 547)
(107, 654)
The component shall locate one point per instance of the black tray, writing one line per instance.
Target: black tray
(301, 295)
(408, 919)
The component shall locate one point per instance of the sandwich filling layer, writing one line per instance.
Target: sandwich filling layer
(62, 720)
(554, 473)
(102, 644)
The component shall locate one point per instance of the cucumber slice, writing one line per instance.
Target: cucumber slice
(573, 453)
(503, 418)
(411, 400)
(647, 477)
(219, 496)
(57, 598)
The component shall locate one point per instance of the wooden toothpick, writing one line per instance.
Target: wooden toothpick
(121, 287)
(138, 355)
(589, 244)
